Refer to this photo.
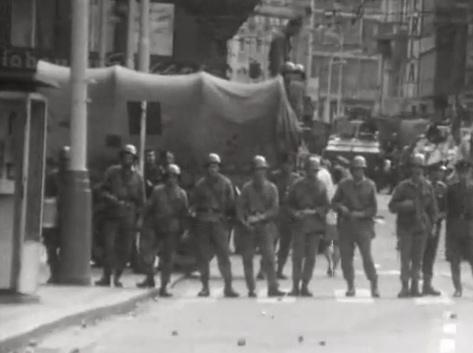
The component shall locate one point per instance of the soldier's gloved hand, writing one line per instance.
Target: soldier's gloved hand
(252, 219)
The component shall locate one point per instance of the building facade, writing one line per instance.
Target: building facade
(431, 38)
(345, 58)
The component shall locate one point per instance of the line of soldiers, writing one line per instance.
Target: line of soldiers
(422, 205)
(297, 210)
(295, 207)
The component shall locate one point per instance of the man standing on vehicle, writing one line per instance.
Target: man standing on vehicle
(440, 189)
(413, 201)
(165, 219)
(257, 209)
(356, 204)
(308, 203)
(213, 201)
(123, 191)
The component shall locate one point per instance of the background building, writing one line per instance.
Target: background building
(345, 57)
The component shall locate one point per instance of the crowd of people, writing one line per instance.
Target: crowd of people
(277, 212)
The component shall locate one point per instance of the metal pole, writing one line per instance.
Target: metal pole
(340, 76)
(329, 92)
(143, 65)
(76, 211)
(103, 32)
(130, 47)
(310, 41)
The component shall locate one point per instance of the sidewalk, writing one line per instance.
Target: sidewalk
(61, 306)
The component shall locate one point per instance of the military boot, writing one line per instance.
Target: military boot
(351, 291)
(305, 292)
(456, 278)
(404, 293)
(148, 282)
(415, 292)
(374, 289)
(427, 289)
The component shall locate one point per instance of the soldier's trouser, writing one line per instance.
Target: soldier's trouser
(52, 244)
(148, 248)
(348, 240)
(119, 236)
(285, 239)
(304, 249)
(213, 235)
(262, 236)
(412, 248)
(430, 254)
(166, 261)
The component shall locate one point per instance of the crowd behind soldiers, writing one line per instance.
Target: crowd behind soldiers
(287, 209)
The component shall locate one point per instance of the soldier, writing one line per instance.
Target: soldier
(54, 191)
(459, 239)
(356, 204)
(440, 189)
(257, 210)
(308, 203)
(123, 191)
(213, 201)
(413, 201)
(165, 219)
(283, 179)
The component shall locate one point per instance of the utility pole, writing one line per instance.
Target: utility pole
(328, 100)
(103, 6)
(340, 75)
(143, 65)
(76, 229)
(130, 48)
(310, 40)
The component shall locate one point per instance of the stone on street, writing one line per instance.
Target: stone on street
(328, 322)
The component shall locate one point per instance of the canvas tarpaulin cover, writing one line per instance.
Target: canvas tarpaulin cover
(200, 113)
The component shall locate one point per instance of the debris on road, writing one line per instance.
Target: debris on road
(241, 342)
(83, 324)
(301, 339)
(175, 333)
(322, 343)
(453, 316)
(264, 313)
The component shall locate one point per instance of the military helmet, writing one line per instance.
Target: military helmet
(213, 158)
(259, 162)
(288, 67)
(313, 161)
(64, 152)
(173, 169)
(417, 160)
(130, 149)
(299, 68)
(359, 162)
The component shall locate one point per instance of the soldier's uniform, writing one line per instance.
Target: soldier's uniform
(259, 201)
(356, 197)
(165, 221)
(283, 182)
(213, 200)
(306, 195)
(459, 238)
(124, 192)
(431, 246)
(414, 225)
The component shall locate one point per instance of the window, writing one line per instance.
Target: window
(153, 118)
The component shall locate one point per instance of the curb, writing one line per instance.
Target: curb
(15, 342)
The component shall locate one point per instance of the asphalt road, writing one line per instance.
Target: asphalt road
(329, 322)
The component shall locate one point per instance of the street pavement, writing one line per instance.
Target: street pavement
(329, 322)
